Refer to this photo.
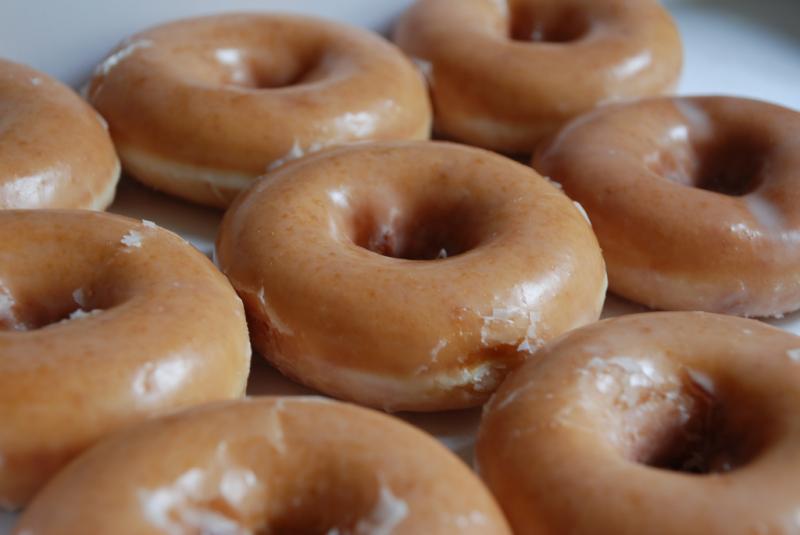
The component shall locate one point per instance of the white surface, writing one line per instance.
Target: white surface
(741, 47)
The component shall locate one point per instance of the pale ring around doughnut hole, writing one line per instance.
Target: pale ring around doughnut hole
(55, 151)
(199, 108)
(663, 423)
(104, 321)
(268, 465)
(506, 73)
(408, 275)
(695, 200)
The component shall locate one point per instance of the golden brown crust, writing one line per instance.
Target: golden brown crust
(104, 321)
(695, 201)
(338, 260)
(504, 74)
(268, 465)
(55, 151)
(200, 107)
(658, 423)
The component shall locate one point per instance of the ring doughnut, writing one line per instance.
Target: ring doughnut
(104, 321)
(408, 275)
(268, 465)
(55, 151)
(201, 107)
(505, 73)
(695, 201)
(664, 423)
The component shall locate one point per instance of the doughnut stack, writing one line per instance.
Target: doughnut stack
(380, 268)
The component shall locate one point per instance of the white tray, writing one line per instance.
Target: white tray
(739, 47)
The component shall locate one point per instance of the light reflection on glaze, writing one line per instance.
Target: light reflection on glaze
(127, 50)
(698, 119)
(633, 66)
(274, 320)
(229, 56)
(765, 213)
(296, 152)
(234, 58)
(425, 67)
(340, 197)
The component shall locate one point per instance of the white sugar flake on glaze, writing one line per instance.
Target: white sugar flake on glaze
(359, 124)
(481, 378)
(132, 239)
(7, 314)
(156, 380)
(191, 503)
(175, 509)
(794, 355)
(80, 314)
(631, 381)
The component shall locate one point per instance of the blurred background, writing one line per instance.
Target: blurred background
(748, 47)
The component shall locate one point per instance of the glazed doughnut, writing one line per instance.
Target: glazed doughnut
(199, 108)
(268, 465)
(695, 201)
(55, 151)
(104, 321)
(505, 73)
(408, 275)
(663, 423)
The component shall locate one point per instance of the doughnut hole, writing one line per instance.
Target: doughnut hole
(682, 421)
(323, 508)
(731, 165)
(258, 70)
(56, 293)
(434, 229)
(244, 487)
(250, 68)
(551, 24)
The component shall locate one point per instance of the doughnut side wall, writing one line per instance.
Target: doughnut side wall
(104, 321)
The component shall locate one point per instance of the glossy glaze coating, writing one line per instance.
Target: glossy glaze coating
(695, 201)
(268, 465)
(505, 73)
(410, 275)
(664, 423)
(55, 151)
(104, 321)
(198, 108)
